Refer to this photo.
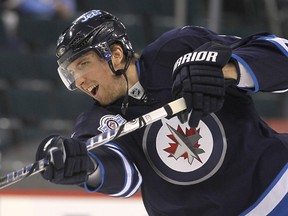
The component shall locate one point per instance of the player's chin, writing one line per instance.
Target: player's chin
(103, 102)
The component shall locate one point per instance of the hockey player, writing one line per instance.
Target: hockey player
(216, 158)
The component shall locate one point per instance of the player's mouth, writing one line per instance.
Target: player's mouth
(93, 89)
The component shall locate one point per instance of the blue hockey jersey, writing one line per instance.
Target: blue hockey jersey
(237, 165)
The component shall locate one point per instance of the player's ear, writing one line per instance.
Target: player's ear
(117, 56)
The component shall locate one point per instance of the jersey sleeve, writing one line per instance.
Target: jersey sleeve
(119, 175)
(262, 58)
(265, 59)
(160, 56)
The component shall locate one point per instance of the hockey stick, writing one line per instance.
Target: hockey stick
(168, 110)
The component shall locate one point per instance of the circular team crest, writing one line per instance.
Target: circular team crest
(183, 155)
(110, 122)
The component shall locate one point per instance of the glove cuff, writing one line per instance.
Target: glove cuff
(42, 148)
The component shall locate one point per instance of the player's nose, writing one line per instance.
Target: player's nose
(80, 81)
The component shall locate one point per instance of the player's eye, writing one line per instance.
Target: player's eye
(83, 64)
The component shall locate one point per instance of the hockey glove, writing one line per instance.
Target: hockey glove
(198, 77)
(69, 162)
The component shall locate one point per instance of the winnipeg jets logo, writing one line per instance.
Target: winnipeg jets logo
(89, 15)
(183, 155)
(185, 145)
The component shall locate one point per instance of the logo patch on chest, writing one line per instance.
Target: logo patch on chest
(183, 155)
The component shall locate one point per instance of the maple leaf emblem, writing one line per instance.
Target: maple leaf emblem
(185, 144)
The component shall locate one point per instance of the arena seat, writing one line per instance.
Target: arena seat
(29, 105)
(69, 104)
(15, 65)
(45, 67)
(41, 34)
(269, 105)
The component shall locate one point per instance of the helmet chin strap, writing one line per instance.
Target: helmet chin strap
(120, 72)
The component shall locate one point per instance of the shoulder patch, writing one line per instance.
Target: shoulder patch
(109, 122)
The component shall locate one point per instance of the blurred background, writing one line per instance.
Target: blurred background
(33, 101)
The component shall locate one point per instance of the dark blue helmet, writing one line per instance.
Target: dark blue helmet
(94, 30)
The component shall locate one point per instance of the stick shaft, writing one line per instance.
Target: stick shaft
(26, 171)
(162, 112)
(166, 111)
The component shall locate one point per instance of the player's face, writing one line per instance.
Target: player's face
(94, 77)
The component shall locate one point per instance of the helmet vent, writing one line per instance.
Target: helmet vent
(83, 43)
(76, 40)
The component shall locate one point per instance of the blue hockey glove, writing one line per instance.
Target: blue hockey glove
(198, 77)
(69, 162)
